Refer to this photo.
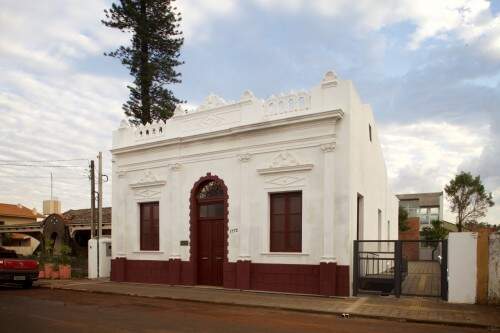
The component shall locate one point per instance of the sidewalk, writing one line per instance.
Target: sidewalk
(425, 310)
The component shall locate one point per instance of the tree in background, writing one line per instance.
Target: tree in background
(403, 219)
(152, 57)
(435, 233)
(468, 198)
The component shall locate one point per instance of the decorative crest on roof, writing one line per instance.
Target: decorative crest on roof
(211, 102)
(330, 79)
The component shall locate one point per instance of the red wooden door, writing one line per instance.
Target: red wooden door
(211, 229)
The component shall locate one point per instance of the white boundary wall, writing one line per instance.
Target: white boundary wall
(494, 269)
(462, 267)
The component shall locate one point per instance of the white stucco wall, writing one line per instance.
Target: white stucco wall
(316, 142)
(462, 267)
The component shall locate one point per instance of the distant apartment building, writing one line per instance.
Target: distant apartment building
(426, 206)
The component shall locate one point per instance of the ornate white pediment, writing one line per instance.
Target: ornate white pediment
(147, 193)
(147, 179)
(285, 180)
(284, 162)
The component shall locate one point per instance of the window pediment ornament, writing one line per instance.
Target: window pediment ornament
(284, 162)
(147, 179)
(328, 147)
(147, 193)
(246, 157)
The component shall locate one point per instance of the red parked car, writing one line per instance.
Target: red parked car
(17, 270)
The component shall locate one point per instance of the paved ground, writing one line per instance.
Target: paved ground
(418, 309)
(46, 310)
(424, 278)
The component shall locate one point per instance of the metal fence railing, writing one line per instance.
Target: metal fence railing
(400, 267)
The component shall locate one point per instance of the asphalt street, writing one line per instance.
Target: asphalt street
(45, 310)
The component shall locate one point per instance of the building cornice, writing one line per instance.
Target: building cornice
(331, 114)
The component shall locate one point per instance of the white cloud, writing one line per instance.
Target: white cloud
(466, 20)
(49, 36)
(198, 14)
(424, 156)
(49, 109)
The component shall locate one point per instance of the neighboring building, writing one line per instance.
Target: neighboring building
(426, 206)
(15, 215)
(52, 206)
(254, 194)
(72, 227)
(422, 208)
(22, 244)
(78, 224)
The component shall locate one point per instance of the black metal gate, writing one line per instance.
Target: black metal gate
(401, 267)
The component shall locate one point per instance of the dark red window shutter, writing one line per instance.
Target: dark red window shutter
(286, 222)
(149, 226)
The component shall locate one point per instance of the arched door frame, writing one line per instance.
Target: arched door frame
(193, 221)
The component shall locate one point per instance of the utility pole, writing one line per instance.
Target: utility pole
(100, 194)
(99, 202)
(51, 186)
(92, 199)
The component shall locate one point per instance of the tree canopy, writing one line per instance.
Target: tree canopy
(403, 219)
(151, 57)
(468, 198)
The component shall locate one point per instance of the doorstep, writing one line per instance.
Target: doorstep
(414, 309)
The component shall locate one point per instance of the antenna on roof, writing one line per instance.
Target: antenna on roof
(51, 197)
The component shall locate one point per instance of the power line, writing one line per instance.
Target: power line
(42, 161)
(44, 166)
(42, 177)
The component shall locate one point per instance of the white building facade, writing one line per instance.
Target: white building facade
(254, 194)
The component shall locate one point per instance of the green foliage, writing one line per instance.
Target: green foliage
(65, 255)
(41, 258)
(49, 249)
(403, 219)
(152, 56)
(436, 232)
(56, 261)
(468, 198)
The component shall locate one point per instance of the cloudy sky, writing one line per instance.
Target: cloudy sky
(430, 69)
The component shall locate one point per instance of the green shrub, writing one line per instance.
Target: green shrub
(65, 255)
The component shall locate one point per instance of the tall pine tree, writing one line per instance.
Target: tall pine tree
(152, 57)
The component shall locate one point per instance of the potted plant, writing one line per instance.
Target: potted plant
(48, 265)
(65, 262)
(41, 266)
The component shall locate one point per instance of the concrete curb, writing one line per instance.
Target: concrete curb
(283, 308)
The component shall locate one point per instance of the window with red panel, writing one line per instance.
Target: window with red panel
(286, 222)
(149, 230)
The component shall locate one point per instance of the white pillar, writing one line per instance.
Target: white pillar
(244, 227)
(176, 199)
(328, 202)
(118, 223)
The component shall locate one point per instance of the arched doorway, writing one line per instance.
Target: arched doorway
(209, 230)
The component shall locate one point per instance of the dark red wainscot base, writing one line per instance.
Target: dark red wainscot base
(328, 279)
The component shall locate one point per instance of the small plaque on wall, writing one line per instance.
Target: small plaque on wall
(184, 243)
